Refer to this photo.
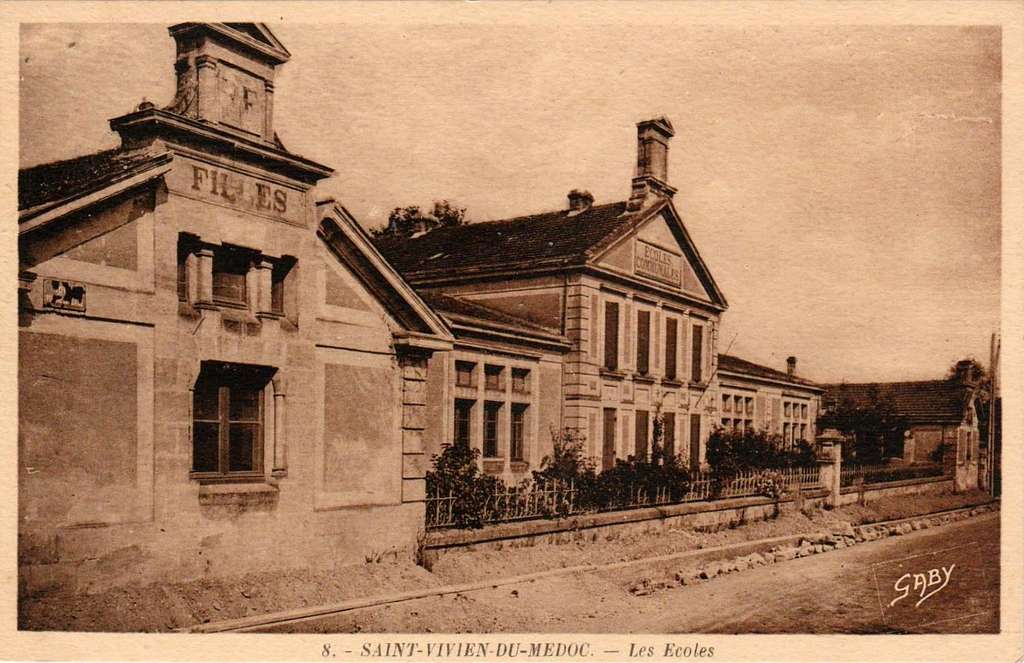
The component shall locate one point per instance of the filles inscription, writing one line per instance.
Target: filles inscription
(239, 190)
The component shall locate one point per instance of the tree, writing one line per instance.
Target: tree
(969, 369)
(873, 422)
(404, 222)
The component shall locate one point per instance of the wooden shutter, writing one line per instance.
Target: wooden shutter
(608, 445)
(698, 353)
(611, 336)
(694, 441)
(641, 434)
(671, 331)
(668, 441)
(643, 342)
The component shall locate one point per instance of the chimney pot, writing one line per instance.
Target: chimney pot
(790, 366)
(580, 201)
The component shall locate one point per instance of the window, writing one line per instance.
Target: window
(611, 336)
(608, 445)
(726, 403)
(463, 416)
(280, 275)
(750, 405)
(518, 432)
(803, 411)
(787, 434)
(227, 420)
(521, 380)
(641, 434)
(464, 373)
(671, 332)
(643, 342)
(492, 377)
(668, 434)
(697, 374)
(230, 267)
(491, 411)
(788, 409)
(694, 441)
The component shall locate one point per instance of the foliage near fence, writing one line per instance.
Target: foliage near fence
(568, 483)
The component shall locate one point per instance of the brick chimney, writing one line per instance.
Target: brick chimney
(579, 201)
(790, 366)
(650, 180)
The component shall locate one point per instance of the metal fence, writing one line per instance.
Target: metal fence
(850, 475)
(561, 498)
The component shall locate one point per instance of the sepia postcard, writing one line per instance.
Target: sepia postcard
(462, 331)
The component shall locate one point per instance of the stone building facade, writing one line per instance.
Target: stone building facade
(217, 372)
(629, 313)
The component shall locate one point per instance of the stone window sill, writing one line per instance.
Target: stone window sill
(645, 378)
(671, 383)
(614, 375)
(239, 494)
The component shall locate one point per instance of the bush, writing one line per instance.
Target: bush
(732, 452)
(457, 471)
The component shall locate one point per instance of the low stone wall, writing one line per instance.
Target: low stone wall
(709, 515)
(874, 491)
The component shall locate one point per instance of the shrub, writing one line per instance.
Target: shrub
(732, 452)
(456, 471)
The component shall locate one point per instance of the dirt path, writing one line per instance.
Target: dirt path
(838, 592)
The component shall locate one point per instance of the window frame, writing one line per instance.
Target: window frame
(643, 341)
(494, 371)
(697, 354)
(520, 380)
(237, 259)
(463, 405)
(671, 348)
(465, 368)
(226, 379)
(611, 336)
(517, 444)
(491, 426)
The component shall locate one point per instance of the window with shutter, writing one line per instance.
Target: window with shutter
(643, 342)
(668, 434)
(641, 434)
(697, 360)
(611, 336)
(671, 331)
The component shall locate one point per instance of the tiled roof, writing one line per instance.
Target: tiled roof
(928, 401)
(553, 238)
(59, 180)
(461, 310)
(736, 365)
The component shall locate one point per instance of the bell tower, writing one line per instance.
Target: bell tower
(225, 76)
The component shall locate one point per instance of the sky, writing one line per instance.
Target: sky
(842, 183)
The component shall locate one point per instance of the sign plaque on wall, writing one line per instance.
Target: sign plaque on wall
(64, 295)
(658, 264)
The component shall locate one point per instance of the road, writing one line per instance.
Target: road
(868, 588)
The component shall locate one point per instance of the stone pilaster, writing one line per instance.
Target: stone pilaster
(204, 294)
(414, 400)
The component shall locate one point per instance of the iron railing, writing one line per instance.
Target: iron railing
(562, 498)
(850, 475)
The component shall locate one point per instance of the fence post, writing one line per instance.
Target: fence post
(830, 459)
